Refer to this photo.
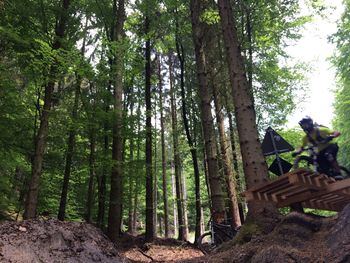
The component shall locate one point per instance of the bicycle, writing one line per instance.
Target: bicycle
(218, 234)
(322, 166)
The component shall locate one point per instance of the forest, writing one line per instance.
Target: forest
(147, 116)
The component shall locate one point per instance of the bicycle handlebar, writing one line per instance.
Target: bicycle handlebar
(328, 139)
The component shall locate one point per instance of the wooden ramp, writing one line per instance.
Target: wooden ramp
(312, 189)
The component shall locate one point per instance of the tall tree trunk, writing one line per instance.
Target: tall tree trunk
(115, 204)
(226, 161)
(138, 158)
(131, 172)
(40, 140)
(241, 203)
(155, 178)
(200, 36)
(71, 137)
(177, 161)
(184, 204)
(101, 180)
(149, 173)
(69, 155)
(193, 150)
(173, 188)
(162, 136)
(90, 194)
(131, 192)
(254, 164)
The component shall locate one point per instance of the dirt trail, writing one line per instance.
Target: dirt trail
(295, 239)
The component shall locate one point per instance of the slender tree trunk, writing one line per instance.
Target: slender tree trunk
(115, 204)
(131, 171)
(184, 204)
(71, 138)
(130, 202)
(241, 203)
(138, 158)
(90, 195)
(201, 34)
(173, 187)
(177, 161)
(254, 164)
(102, 180)
(149, 173)
(69, 155)
(226, 161)
(193, 150)
(135, 205)
(40, 140)
(155, 178)
(162, 136)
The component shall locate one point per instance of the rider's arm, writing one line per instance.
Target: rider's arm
(335, 134)
(301, 148)
(328, 133)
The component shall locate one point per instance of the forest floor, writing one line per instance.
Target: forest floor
(295, 238)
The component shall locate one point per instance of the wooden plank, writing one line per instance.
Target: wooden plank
(282, 192)
(314, 181)
(343, 202)
(272, 190)
(296, 198)
(281, 180)
(332, 188)
(324, 180)
(312, 189)
(277, 181)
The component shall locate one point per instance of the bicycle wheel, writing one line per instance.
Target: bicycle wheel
(206, 243)
(303, 162)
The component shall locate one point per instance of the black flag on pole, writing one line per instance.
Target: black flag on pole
(274, 167)
(281, 145)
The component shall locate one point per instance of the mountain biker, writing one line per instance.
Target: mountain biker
(320, 137)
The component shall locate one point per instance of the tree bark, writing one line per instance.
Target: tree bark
(254, 164)
(155, 177)
(239, 188)
(226, 161)
(131, 172)
(138, 158)
(200, 36)
(115, 204)
(90, 194)
(173, 188)
(101, 180)
(177, 161)
(40, 140)
(149, 173)
(193, 150)
(69, 155)
(162, 136)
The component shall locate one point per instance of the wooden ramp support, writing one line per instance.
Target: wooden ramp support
(312, 189)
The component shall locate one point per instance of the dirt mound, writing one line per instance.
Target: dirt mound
(54, 241)
(297, 238)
